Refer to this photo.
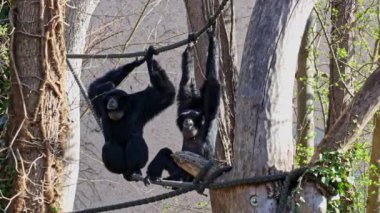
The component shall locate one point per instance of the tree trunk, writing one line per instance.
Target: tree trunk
(343, 133)
(373, 199)
(305, 97)
(196, 18)
(341, 34)
(226, 36)
(263, 135)
(37, 105)
(353, 119)
(78, 16)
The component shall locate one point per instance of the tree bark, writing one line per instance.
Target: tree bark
(78, 16)
(305, 97)
(228, 78)
(353, 119)
(341, 34)
(37, 105)
(373, 194)
(196, 19)
(263, 134)
(373, 198)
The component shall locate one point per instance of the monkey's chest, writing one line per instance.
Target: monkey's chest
(124, 131)
(193, 146)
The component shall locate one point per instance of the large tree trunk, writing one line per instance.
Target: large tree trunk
(228, 59)
(263, 135)
(37, 105)
(305, 97)
(373, 195)
(341, 34)
(373, 199)
(78, 16)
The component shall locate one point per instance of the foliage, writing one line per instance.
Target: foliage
(347, 173)
(303, 153)
(6, 184)
(4, 61)
(6, 171)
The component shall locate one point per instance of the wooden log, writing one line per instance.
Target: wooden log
(193, 163)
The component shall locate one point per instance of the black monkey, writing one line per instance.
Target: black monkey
(197, 115)
(124, 115)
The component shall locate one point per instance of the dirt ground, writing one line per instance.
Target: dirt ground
(165, 22)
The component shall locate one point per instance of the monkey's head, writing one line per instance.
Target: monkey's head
(190, 122)
(115, 102)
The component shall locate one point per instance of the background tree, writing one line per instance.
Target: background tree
(305, 94)
(373, 199)
(78, 15)
(37, 105)
(342, 12)
(351, 62)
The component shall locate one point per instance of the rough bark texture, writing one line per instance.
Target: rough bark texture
(228, 75)
(353, 119)
(263, 134)
(312, 200)
(305, 96)
(78, 16)
(341, 33)
(37, 105)
(373, 199)
(228, 78)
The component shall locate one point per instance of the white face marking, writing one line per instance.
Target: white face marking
(116, 115)
(112, 104)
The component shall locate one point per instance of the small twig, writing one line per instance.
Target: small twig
(138, 22)
(158, 50)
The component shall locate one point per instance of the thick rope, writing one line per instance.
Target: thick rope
(207, 184)
(156, 198)
(285, 191)
(192, 37)
(83, 91)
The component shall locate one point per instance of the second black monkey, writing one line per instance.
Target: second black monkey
(196, 116)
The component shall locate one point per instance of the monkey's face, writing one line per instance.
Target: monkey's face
(115, 104)
(190, 122)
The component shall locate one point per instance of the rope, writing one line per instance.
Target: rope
(290, 178)
(156, 198)
(207, 184)
(192, 37)
(219, 185)
(83, 91)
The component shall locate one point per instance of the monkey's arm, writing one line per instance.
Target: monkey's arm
(162, 93)
(211, 92)
(187, 93)
(108, 82)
